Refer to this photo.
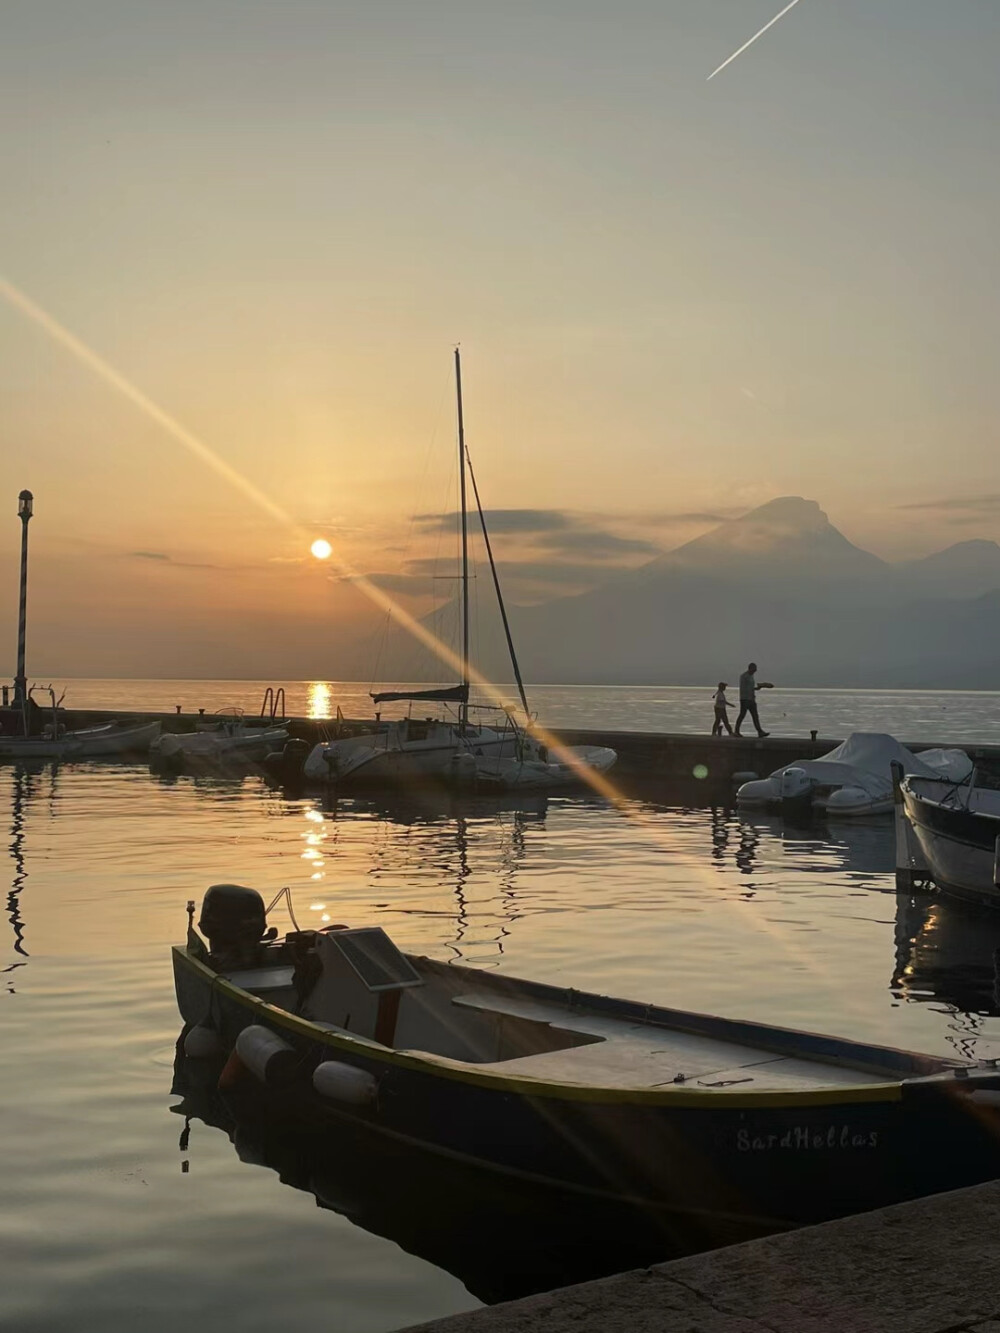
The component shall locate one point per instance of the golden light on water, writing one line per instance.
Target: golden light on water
(321, 549)
(320, 706)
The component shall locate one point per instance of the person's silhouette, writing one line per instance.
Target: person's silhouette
(748, 699)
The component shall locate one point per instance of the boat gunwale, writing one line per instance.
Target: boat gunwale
(678, 1097)
(924, 798)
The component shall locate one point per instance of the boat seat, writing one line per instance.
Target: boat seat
(260, 979)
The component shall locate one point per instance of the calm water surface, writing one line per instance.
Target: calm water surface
(694, 907)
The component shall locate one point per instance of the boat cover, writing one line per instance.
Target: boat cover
(863, 761)
(452, 694)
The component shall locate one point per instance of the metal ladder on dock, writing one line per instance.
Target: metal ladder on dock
(274, 698)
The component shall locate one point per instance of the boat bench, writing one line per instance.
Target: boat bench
(639, 1055)
(260, 979)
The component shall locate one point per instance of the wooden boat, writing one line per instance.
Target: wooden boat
(113, 738)
(757, 1127)
(947, 832)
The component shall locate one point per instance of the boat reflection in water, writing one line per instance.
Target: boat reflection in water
(947, 951)
(501, 1238)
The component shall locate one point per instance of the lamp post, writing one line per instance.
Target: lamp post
(24, 512)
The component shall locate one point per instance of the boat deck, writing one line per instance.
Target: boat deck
(639, 1055)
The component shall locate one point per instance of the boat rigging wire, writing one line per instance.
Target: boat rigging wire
(496, 585)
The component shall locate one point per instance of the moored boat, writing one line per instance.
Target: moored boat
(854, 779)
(708, 1118)
(947, 832)
(227, 742)
(113, 738)
(453, 749)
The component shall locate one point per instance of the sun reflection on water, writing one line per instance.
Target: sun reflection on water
(319, 701)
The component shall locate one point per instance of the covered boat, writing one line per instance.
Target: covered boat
(228, 741)
(752, 1127)
(855, 778)
(947, 833)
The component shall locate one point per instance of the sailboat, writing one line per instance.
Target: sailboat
(504, 755)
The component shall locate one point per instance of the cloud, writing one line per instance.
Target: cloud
(161, 557)
(501, 520)
(408, 584)
(554, 529)
(545, 571)
(959, 509)
(596, 542)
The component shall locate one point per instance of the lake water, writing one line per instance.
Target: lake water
(956, 717)
(108, 1223)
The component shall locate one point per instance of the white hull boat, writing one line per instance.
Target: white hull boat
(88, 743)
(249, 744)
(409, 750)
(854, 779)
(947, 833)
(536, 774)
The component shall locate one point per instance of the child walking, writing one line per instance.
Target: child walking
(721, 704)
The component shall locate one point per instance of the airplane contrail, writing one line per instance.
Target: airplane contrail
(729, 60)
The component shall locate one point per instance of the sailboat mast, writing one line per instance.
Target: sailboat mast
(463, 712)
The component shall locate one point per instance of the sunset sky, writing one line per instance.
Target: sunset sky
(676, 299)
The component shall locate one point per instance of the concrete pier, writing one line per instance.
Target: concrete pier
(644, 758)
(923, 1267)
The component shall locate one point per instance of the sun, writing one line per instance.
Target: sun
(321, 549)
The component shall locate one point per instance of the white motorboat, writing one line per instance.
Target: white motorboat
(575, 763)
(947, 833)
(503, 754)
(230, 740)
(113, 738)
(854, 779)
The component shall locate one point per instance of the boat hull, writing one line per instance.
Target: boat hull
(96, 743)
(385, 760)
(755, 1164)
(958, 845)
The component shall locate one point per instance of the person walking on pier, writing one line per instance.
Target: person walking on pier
(748, 699)
(721, 715)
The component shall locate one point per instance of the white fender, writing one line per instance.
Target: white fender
(202, 1043)
(343, 1083)
(266, 1056)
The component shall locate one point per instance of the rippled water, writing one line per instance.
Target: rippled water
(102, 1225)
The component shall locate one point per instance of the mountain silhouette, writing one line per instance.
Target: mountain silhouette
(780, 586)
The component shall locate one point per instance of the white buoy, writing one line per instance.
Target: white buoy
(202, 1043)
(343, 1083)
(266, 1056)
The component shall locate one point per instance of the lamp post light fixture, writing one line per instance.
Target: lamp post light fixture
(25, 503)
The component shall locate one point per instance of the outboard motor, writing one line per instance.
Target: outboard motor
(286, 765)
(796, 793)
(233, 921)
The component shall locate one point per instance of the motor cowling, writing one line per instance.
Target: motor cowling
(233, 922)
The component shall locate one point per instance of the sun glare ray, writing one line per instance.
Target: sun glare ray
(757, 35)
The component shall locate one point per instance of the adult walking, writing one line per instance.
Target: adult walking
(748, 699)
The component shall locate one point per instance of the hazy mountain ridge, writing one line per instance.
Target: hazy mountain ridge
(783, 586)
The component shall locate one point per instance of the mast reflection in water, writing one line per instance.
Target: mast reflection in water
(22, 785)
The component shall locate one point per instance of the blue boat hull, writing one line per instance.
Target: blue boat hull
(748, 1170)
